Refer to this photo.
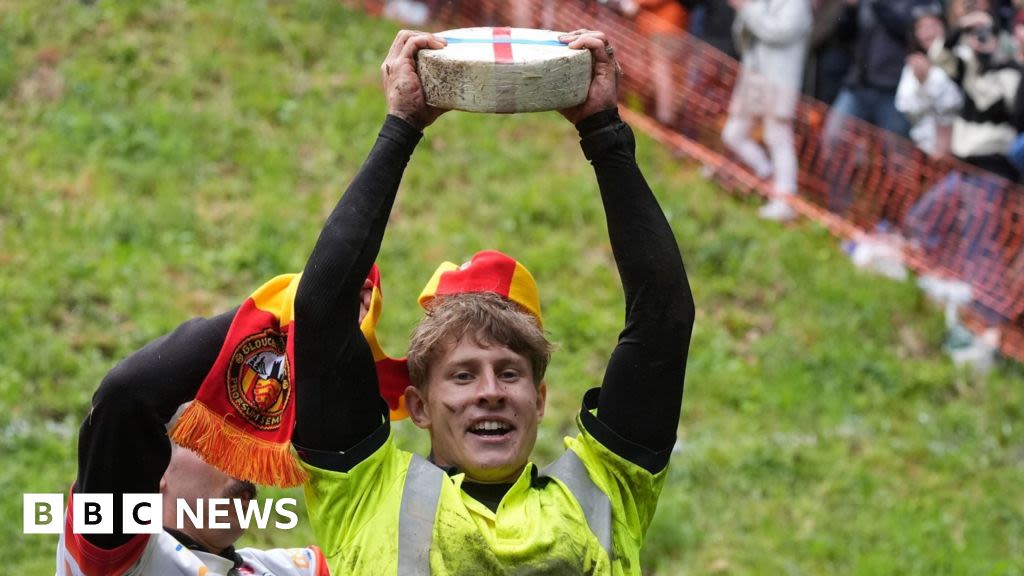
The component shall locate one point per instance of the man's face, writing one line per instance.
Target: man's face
(482, 408)
(190, 478)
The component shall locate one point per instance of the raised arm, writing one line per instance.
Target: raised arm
(641, 396)
(122, 444)
(337, 398)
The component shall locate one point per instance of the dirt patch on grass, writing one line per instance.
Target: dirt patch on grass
(45, 84)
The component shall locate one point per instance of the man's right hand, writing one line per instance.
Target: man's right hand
(603, 92)
(401, 82)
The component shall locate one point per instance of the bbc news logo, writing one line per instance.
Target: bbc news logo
(143, 513)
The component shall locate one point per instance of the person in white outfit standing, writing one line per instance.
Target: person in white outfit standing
(772, 36)
(926, 95)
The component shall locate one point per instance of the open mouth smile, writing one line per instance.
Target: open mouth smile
(491, 429)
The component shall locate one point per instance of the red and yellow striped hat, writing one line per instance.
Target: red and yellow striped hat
(392, 373)
(486, 271)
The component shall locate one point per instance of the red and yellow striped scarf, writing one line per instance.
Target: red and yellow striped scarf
(242, 417)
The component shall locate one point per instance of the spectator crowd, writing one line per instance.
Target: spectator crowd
(944, 74)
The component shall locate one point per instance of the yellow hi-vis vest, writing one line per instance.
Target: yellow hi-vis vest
(394, 514)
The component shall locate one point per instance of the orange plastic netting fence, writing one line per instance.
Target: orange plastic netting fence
(964, 223)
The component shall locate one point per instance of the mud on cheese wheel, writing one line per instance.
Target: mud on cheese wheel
(504, 70)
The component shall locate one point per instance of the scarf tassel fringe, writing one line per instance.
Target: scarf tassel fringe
(237, 453)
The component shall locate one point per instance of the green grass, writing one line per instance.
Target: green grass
(160, 159)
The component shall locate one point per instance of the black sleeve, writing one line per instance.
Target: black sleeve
(895, 17)
(833, 20)
(1017, 107)
(123, 445)
(337, 398)
(641, 396)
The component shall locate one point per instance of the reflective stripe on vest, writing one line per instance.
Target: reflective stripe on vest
(597, 507)
(422, 492)
(420, 496)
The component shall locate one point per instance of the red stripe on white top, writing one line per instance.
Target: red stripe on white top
(95, 561)
(502, 45)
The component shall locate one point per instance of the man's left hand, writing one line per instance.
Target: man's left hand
(604, 84)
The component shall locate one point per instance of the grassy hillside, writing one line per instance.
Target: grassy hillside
(160, 159)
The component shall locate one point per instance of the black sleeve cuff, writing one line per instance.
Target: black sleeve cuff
(605, 132)
(400, 132)
(597, 120)
(653, 461)
(347, 460)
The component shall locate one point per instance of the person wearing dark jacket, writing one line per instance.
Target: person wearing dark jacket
(716, 24)
(993, 111)
(869, 91)
(831, 50)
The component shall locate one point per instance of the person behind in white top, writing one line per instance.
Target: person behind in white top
(123, 448)
(199, 550)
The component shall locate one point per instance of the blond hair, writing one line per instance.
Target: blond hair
(485, 317)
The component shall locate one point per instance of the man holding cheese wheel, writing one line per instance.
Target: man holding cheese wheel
(476, 362)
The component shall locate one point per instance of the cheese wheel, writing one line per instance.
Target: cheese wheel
(504, 70)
